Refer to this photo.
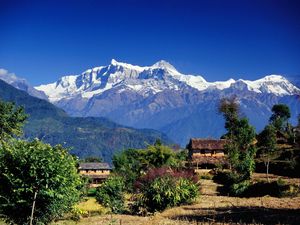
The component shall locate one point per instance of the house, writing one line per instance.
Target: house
(206, 153)
(97, 172)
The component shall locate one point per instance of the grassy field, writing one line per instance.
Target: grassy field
(212, 210)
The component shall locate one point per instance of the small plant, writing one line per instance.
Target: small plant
(111, 194)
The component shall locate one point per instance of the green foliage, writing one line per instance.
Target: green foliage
(241, 149)
(159, 155)
(12, 119)
(267, 140)
(230, 110)
(162, 188)
(111, 194)
(128, 165)
(34, 167)
(280, 116)
(131, 163)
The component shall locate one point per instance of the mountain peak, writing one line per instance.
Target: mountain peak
(164, 64)
(114, 62)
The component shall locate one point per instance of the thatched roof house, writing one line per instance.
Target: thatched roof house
(206, 151)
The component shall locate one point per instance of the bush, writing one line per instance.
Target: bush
(233, 184)
(161, 188)
(111, 194)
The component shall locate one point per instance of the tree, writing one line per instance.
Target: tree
(280, 116)
(230, 110)
(111, 194)
(267, 145)
(158, 155)
(12, 119)
(38, 182)
(241, 137)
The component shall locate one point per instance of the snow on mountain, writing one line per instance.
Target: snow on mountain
(153, 79)
(20, 84)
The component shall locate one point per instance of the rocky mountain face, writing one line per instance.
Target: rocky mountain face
(160, 97)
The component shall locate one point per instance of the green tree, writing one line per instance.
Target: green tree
(230, 110)
(158, 155)
(280, 115)
(111, 194)
(12, 119)
(267, 145)
(38, 182)
(241, 137)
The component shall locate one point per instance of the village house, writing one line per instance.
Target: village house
(97, 172)
(206, 153)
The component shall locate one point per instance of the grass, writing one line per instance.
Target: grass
(91, 206)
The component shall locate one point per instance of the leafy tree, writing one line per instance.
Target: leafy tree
(12, 119)
(241, 137)
(158, 155)
(267, 145)
(280, 116)
(230, 110)
(111, 194)
(38, 182)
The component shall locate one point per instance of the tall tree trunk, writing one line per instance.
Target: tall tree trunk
(268, 163)
(33, 207)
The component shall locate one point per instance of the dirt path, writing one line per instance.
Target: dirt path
(209, 188)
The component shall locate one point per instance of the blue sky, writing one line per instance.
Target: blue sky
(43, 40)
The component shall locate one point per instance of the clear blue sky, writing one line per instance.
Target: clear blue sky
(43, 40)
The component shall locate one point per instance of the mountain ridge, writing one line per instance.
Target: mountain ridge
(161, 98)
(86, 136)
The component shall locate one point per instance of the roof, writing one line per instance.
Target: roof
(94, 166)
(210, 144)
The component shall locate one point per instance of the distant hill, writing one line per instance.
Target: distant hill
(87, 136)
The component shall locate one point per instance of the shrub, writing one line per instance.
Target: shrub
(233, 184)
(111, 194)
(161, 188)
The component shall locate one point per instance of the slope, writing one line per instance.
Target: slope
(85, 136)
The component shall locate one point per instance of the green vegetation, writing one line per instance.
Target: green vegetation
(161, 188)
(34, 173)
(132, 163)
(280, 116)
(12, 120)
(111, 194)
(240, 145)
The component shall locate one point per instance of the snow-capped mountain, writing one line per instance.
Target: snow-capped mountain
(151, 80)
(160, 97)
(20, 84)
